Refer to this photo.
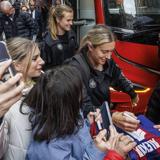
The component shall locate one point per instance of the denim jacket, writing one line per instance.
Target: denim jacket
(78, 146)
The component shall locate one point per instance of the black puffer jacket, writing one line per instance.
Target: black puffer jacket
(153, 111)
(97, 82)
(22, 25)
(54, 52)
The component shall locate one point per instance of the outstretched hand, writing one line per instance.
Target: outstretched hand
(118, 142)
(124, 122)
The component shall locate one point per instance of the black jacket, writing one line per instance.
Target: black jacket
(22, 25)
(97, 83)
(153, 111)
(39, 21)
(54, 52)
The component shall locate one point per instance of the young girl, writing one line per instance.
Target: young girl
(15, 129)
(59, 130)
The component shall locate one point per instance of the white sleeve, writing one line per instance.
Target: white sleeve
(3, 137)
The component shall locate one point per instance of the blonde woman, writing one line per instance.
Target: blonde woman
(60, 41)
(99, 72)
(15, 129)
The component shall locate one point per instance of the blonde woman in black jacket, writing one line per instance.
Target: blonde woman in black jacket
(60, 41)
(99, 72)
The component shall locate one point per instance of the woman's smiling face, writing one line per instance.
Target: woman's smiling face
(101, 53)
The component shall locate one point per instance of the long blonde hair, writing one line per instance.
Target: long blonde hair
(56, 12)
(20, 48)
(98, 35)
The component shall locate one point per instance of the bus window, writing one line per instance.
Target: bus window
(134, 20)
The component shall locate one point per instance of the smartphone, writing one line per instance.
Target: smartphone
(106, 115)
(4, 56)
(106, 119)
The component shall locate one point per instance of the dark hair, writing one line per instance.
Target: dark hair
(55, 102)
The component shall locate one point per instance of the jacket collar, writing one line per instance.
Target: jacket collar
(50, 41)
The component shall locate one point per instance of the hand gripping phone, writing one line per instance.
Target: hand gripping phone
(106, 119)
(4, 56)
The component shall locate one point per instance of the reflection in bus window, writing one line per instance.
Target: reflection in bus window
(136, 15)
(129, 7)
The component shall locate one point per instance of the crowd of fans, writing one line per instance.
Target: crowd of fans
(48, 114)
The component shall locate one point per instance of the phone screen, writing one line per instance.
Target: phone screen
(106, 116)
(3, 52)
(4, 56)
(106, 120)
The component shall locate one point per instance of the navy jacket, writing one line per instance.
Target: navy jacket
(22, 25)
(97, 83)
(54, 52)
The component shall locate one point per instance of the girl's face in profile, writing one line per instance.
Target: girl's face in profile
(35, 68)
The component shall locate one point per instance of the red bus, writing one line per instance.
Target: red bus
(136, 23)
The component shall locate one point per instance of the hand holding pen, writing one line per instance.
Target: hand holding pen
(125, 120)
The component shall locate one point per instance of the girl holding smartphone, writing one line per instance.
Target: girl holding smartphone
(15, 129)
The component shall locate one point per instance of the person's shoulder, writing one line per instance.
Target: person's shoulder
(75, 60)
(24, 15)
(49, 40)
(14, 110)
(59, 147)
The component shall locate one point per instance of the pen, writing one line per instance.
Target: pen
(129, 116)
